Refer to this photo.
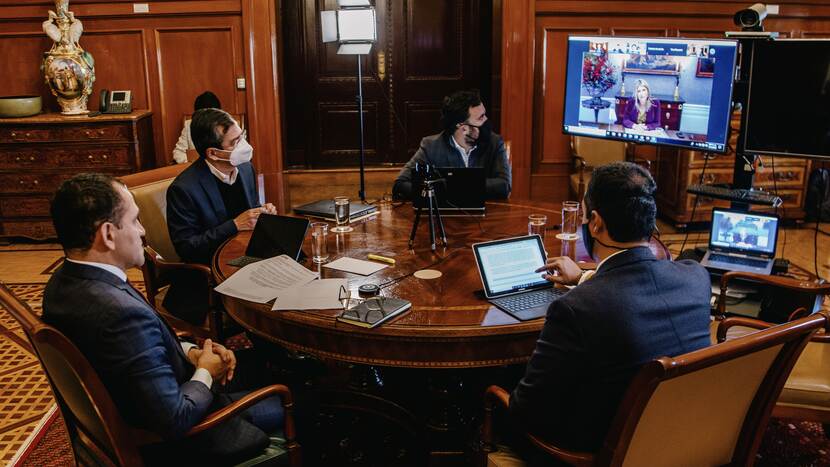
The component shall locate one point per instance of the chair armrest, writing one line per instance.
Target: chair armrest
(727, 323)
(162, 264)
(776, 281)
(496, 396)
(224, 413)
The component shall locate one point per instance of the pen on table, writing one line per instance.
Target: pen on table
(382, 258)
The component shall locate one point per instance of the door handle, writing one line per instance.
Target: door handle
(381, 65)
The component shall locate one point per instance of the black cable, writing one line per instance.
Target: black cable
(694, 206)
(783, 209)
(377, 80)
(815, 236)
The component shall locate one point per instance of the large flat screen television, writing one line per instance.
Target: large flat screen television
(788, 103)
(663, 91)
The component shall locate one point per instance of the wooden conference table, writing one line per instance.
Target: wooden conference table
(448, 326)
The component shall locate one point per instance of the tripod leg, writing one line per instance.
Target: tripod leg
(441, 226)
(433, 210)
(414, 227)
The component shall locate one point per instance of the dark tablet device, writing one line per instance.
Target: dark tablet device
(277, 235)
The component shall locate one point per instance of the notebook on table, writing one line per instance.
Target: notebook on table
(508, 273)
(274, 236)
(741, 241)
(324, 209)
(459, 191)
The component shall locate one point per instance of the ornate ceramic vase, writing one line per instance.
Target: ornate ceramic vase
(67, 68)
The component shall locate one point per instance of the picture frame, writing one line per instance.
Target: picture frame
(705, 67)
(652, 65)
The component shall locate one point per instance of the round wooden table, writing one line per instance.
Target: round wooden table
(450, 325)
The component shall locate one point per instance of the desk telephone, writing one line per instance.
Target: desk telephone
(116, 102)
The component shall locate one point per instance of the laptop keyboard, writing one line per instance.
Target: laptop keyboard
(520, 304)
(735, 260)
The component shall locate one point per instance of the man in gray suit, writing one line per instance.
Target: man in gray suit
(467, 141)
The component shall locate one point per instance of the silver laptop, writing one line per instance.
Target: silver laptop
(508, 273)
(741, 241)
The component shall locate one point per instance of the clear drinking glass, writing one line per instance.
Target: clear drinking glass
(536, 225)
(570, 220)
(341, 214)
(319, 244)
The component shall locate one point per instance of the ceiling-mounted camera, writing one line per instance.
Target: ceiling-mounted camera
(752, 18)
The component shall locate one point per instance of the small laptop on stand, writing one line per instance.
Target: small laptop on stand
(461, 191)
(741, 241)
(508, 272)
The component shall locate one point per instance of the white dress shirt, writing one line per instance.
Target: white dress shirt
(465, 154)
(201, 375)
(184, 143)
(226, 179)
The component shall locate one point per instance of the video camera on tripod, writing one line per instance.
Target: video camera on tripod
(430, 177)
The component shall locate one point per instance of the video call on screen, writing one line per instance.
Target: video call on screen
(685, 89)
(743, 231)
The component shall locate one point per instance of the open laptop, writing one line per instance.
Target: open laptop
(460, 191)
(508, 272)
(741, 241)
(274, 236)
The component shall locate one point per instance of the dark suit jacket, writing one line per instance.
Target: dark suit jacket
(137, 357)
(439, 151)
(198, 223)
(634, 309)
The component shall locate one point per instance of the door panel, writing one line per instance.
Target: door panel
(425, 50)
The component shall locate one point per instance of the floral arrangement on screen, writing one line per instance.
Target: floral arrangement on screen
(598, 75)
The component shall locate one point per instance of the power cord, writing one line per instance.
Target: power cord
(697, 200)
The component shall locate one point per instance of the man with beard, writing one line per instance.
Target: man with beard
(466, 141)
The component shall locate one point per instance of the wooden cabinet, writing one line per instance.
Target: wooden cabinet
(677, 169)
(38, 153)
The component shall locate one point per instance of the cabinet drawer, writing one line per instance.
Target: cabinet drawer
(711, 177)
(787, 176)
(31, 183)
(39, 229)
(85, 132)
(82, 157)
(24, 206)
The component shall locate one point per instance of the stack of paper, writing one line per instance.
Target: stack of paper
(265, 280)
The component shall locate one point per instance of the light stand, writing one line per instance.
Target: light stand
(354, 26)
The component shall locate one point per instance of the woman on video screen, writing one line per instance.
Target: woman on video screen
(642, 112)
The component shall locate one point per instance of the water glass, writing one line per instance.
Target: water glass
(319, 244)
(570, 220)
(536, 225)
(341, 214)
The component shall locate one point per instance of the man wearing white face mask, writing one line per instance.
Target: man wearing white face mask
(208, 203)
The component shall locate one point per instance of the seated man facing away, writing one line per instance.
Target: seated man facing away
(466, 141)
(633, 309)
(156, 381)
(209, 202)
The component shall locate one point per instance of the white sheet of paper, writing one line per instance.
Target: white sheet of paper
(321, 294)
(357, 266)
(264, 280)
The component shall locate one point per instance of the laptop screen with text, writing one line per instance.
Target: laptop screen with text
(744, 232)
(509, 266)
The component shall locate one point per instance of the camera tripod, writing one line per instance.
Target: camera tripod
(428, 192)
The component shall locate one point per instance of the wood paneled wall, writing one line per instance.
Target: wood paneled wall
(167, 57)
(534, 47)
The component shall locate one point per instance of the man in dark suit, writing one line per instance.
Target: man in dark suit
(467, 141)
(208, 203)
(633, 309)
(156, 381)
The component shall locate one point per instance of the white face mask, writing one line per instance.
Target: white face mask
(241, 153)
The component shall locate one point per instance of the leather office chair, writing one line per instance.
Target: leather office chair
(149, 188)
(99, 435)
(708, 407)
(806, 394)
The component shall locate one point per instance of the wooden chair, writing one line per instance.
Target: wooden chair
(806, 394)
(588, 153)
(99, 435)
(708, 407)
(149, 188)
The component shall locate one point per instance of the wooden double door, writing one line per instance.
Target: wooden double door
(426, 49)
